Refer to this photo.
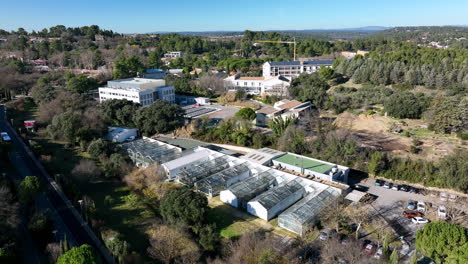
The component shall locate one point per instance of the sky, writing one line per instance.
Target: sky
(143, 16)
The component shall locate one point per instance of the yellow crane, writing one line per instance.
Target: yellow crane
(279, 41)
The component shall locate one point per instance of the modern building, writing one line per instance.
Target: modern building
(154, 74)
(300, 217)
(312, 167)
(121, 134)
(284, 109)
(139, 90)
(274, 201)
(291, 69)
(274, 85)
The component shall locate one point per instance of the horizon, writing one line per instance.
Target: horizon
(211, 16)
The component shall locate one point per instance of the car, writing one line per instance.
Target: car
(421, 207)
(5, 136)
(404, 188)
(411, 214)
(411, 205)
(442, 212)
(379, 183)
(130, 138)
(369, 249)
(387, 185)
(378, 254)
(420, 220)
(443, 197)
(361, 188)
(395, 187)
(413, 190)
(325, 234)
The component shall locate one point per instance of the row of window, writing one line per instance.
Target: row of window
(246, 84)
(118, 94)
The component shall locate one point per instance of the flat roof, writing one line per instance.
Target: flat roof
(136, 80)
(309, 164)
(262, 156)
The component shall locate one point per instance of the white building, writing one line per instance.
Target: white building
(139, 90)
(291, 69)
(173, 54)
(121, 134)
(276, 85)
(284, 109)
(174, 166)
(274, 201)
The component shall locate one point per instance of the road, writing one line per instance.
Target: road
(59, 204)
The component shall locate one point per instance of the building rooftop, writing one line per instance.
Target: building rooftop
(267, 110)
(263, 155)
(298, 63)
(253, 186)
(290, 104)
(147, 150)
(154, 71)
(184, 143)
(306, 163)
(135, 81)
(309, 207)
(318, 62)
(278, 194)
(251, 78)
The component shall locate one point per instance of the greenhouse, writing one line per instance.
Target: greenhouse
(217, 182)
(145, 151)
(299, 217)
(203, 169)
(239, 194)
(270, 203)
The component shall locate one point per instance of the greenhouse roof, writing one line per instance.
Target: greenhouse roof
(253, 186)
(310, 206)
(221, 178)
(275, 195)
(150, 150)
(202, 169)
(307, 163)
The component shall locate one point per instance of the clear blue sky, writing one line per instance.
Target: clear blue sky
(142, 16)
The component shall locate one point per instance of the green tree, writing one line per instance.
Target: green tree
(279, 124)
(128, 67)
(28, 189)
(405, 105)
(154, 59)
(310, 87)
(99, 147)
(160, 117)
(186, 207)
(82, 84)
(246, 113)
(83, 254)
(453, 170)
(440, 241)
(65, 126)
(119, 112)
(376, 163)
(327, 73)
(209, 238)
(393, 257)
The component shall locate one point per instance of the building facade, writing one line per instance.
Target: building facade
(291, 69)
(139, 90)
(276, 85)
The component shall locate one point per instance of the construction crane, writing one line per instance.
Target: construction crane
(279, 41)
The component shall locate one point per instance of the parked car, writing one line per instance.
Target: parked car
(411, 205)
(413, 190)
(387, 185)
(442, 212)
(5, 136)
(411, 214)
(404, 188)
(443, 197)
(369, 249)
(420, 220)
(379, 183)
(421, 207)
(378, 254)
(360, 188)
(395, 187)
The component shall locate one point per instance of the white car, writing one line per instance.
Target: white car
(5, 136)
(421, 207)
(443, 197)
(420, 220)
(379, 253)
(442, 212)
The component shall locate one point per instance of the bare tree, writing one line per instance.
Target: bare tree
(86, 168)
(54, 250)
(334, 251)
(210, 82)
(334, 213)
(171, 245)
(359, 215)
(9, 207)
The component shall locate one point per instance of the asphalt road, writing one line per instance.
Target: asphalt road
(67, 213)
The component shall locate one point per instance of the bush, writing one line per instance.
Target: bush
(29, 188)
(246, 113)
